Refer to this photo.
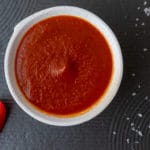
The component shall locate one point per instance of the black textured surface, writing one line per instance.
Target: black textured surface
(120, 126)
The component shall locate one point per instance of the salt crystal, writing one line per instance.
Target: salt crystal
(136, 25)
(145, 2)
(127, 118)
(132, 124)
(146, 98)
(133, 128)
(138, 8)
(139, 86)
(145, 49)
(133, 74)
(140, 133)
(142, 24)
(114, 132)
(137, 19)
(147, 11)
(149, 126)
(128, 140)
(140, 115)
(133, 94)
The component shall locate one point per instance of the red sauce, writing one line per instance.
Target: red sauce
(63, 65)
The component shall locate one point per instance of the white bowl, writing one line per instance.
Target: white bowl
(18, 33)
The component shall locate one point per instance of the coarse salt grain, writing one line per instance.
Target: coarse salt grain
(132, 124)
(114, 133)
(128, 140)
(145, 49)
(137, 19)
(136, 25)
(138, 8)
(137, 131)
(142, 24)
(139, 86)
(140, 115)
(133, 128)
(146, 98)
(133, 74)
(133, 94)
(149, 126)
(140, 133)
(127, 118)
(147, 11)
(145, 2)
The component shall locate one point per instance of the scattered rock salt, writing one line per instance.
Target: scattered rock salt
(138, 8)
(133, 74)
(137, 19)
(132, 124)
(139, 86)
(133, 128)
(147, 11)
(114, 132)
(137, 131)
(128, 140)
(145, 49)
(140, 115)
(140, 133)
(133, 94)
(128, 118)
(145, 2)
(146, 98)
(142, 24)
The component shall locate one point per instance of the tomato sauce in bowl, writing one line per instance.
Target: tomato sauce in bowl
(63, 65)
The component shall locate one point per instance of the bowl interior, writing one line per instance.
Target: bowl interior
(18, 33)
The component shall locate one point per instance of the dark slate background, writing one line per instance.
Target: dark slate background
(119, 127)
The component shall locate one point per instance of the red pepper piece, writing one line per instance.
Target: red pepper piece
(2, 115)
